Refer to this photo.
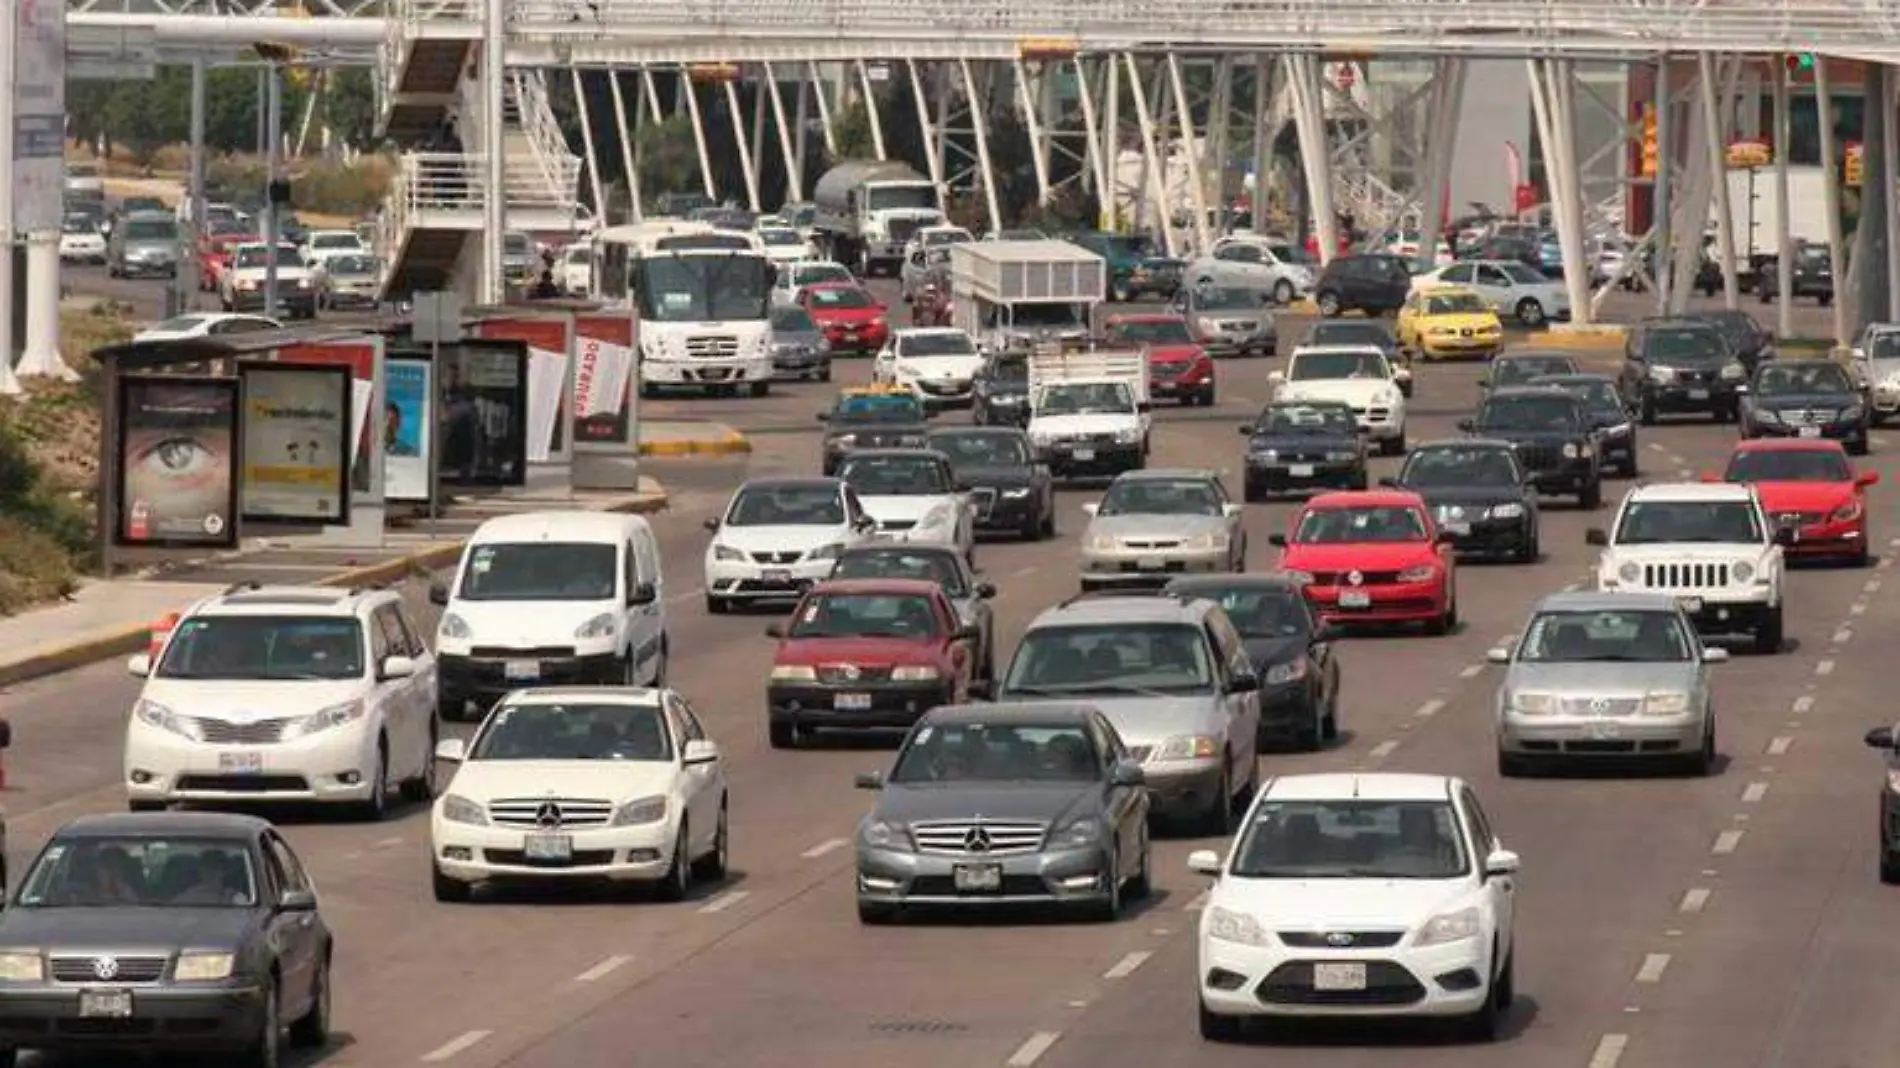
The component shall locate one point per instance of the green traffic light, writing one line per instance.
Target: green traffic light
(1807, 61)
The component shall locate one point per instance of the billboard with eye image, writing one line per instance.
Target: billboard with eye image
(177, 462)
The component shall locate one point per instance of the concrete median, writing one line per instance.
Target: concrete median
(682, 438)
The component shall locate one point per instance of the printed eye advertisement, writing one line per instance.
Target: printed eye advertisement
(296, 444)
(177, 462)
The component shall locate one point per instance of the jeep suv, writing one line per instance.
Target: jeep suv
(1557, 441)
(1376, 284)
(1682, 365)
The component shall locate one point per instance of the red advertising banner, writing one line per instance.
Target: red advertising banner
(548, 345)
(360, 358)
(603, 379)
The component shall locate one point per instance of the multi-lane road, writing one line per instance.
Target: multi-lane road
(1663, 922)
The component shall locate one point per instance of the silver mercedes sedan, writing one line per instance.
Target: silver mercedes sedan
(1606, 676)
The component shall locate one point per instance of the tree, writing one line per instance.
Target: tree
(669, 160)
(851, 129)
(349, 105)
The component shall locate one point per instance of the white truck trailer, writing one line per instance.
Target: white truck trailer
(1089, 410)
(1018, 294)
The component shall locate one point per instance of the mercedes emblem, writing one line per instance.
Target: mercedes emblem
(1354, 578)
(1339, 939)
(976, 841)
(105, 967)
(548, 815)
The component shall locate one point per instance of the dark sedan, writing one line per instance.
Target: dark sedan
(1291, 652)
(1806, 399)
(871, 419)
(1479, 493)
(1001, 390)
(1614, 423)
(1298, 446)
(1011, 492)
(192, 933)
(1751, 343)
(1521, 368)
(1556, 440)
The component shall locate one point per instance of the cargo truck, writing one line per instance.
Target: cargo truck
(866, 211)
(1019, 294)
(1089, 410)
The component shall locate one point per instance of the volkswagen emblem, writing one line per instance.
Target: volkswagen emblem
(105, 967)
(1599, 705)
(976, 841)
(548, 815)
(847, 671)
(1339, 939)
(1354, 578)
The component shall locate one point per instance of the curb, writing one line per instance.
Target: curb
(1303, 306)
(732, 444)
(125, 641)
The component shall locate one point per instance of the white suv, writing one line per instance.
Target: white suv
(1709, 545)
(285, 693)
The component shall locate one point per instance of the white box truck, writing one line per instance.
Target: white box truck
(1089, 410)
(1017, 294)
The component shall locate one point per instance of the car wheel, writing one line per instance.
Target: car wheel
(1482, 1025)
(1627, 467)
(1591, 498)
(1109, 908)
(312, 1029)
(1308, 737)
(1216, 1027)
(760, 389)
(1648, 412)
(1218, 820)
(1530, 313)
(1513, 765)
(1768, 634)
(1253, 492)
(678, 880)
(1857, 447)
(713, 866)
(782, 735)
(420, 788)
(1702, 763)
(449, 891)
(1329, 305)
(1283, 292)
(717, 605)
(1141, 884)
(1890, 868)
(375, 808)
(145, 806)
(1329, 727)
(264, 1048)
(1506, 983)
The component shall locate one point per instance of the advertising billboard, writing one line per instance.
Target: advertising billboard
(548, 341)
(177, 462)
(295, 428)
(603, 380)
(408, 428)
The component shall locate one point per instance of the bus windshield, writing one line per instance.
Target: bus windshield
(715, 288)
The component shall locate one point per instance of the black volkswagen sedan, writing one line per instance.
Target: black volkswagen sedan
(1478, 492)
(1556, 440)
(1614, 423)
(1001, 390)
(1012, 493)
(872, 418)
(1303, 445)
(1291, 652)
(192, 933)
(1806, 399)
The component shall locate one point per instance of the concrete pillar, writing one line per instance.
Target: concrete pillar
(1869, 263)
(41, 356)
(494, 152)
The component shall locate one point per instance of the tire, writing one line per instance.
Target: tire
(824, 373)
(1283, 292)
(451, 709)
(420, 788)
(713, 866)
(1329, 305)
(876, 913)
(1482, 1025)
(1218, 820)
(1768, 636)
(1701, 764)
(1858, 448)
(376, 808)
(1591, 498)
(678, 880)
(1109, 909)
(1530, 313)
(145, 806)
(1218, 1028)
(266, 1048)
(1648, 411)
(1393, 446)
(1329, 726)
(717, 605)
(1506, 982)
(1626, 467)
(1253, 492)
(782, 735)
(312, 1029)
(1142, 883)
(1889, 871)
(1309, 737)
(449, 891)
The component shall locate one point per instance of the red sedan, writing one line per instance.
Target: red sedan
(1178, 366)
(1809, 486)
(852, 319)
(1373, 557)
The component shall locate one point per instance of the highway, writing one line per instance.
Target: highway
(1663, 922)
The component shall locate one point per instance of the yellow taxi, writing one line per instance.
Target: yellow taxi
(1449, 322)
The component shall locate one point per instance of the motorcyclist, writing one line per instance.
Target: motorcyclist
(929, 309)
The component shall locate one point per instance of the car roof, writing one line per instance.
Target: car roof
(1578, 379)
(1359, 786)
(252, 599)
(989, 431)
(1446, 289)
(1683, 322)
(1005, 712)
(1791, 445)
(1531, 389)
(883, 548)
(182, 824)
(1466, 443)
(1536, 354)
(1169, 474)
(894, 586)
(644, 696)
(1376, 498)
(882, 453)
(1693, 491)
(1355, 347)
(1249, 580)
(1144, 317)
(930, 331)
(1800, 361)
(1131, 608)
(1596, 601)
(1317, 402)
(836, 485)
(568, 526)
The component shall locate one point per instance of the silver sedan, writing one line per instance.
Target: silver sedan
(1153, 525)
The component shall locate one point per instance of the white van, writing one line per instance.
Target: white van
(551, 599)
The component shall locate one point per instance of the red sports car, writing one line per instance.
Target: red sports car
(1808, 485)
(852, 319)
(1178, 366)
(1373, 557)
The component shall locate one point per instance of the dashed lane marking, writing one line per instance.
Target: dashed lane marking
(1573, 587)
(1653, 967)
(1429, 709)
(1842, 636)
(1779, 745)
(1754, 792)
(1885, 563)
(459, 1044)
(1825, 667)
(1383, 749)
(1022, 572)
(1695, 900)
(1126, 966)
(725, 901)
(1031, 1051)
(1857, 608)
(1726, 842)
(1656, 446)
(1471, 671)
(603, 969)
(1687, 474)
(829, 845)
(1609, 1051)
(690, 595)
(1803, 704)
(1871, 586)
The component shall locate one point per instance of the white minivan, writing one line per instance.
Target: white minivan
(551, 599)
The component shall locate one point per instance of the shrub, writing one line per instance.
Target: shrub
(342, 189)
(34, 568)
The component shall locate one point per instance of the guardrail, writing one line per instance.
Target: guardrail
(545, 139)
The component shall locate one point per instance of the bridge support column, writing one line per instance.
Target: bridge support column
(1873, 240)
(1441, 147)
(690, 93)
(586, 116)
(1191, 153)
(871, 109)
(494, 80)
(41, 354)
(1715, 122)
(814, 85)
(1220, 123)
(1031, 97)
(1112, 145)
(979, 126)
(1098, 172)
(933, 137)
(1316, 158)
(1689, 210)
(1784, 239)
(1266, 131)
(650, 89)
(1831, 190)
(748, 162)
(1662, 200)
(629, 161)
(794, 154)
(1553, 98)
(1890, 183)
(1154, 177)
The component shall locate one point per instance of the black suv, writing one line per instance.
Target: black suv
(1557, 441)
(1298, 446)
(1813, 276)
(1681, 365)
(869, 420)
(1747, 339)
(1608, 413)
(1001, 390)
(1882, 738)
(1376, 284)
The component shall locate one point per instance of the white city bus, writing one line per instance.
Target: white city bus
(702, 298)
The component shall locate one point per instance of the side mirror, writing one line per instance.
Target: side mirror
(699, 751)
(1498, 655)
(824, 417)
(1786, 536)
(6, 742)
(139, 666)
(1500, 862)
(1204, 862)
(1144, 407)
(1276, 376)
(297, 901)
(1243, 684)
(1596, 536)
(1880, 738)
(1246, 430)
(1867, 478)
(869, 780)
(1711, 477)
(775, 630)
(643, 594)
(1092, 507)
(1325, 632)
(711, 523)
(985, 590)
(396, 667)
(1467, 425)
(1714, 654)
(1277, 540)
(1741, 389)
(438, 593)
(1231, 509)
(1389, 482)
(966, 634)
(1127, 773)
(453, 750)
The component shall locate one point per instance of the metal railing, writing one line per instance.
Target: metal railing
(451, 181)
(546, 142)
(404, 24)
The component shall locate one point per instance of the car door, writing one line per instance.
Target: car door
(652, 629)
(1243, 709)
(1495, 287)
(962, 652)
(966, 508)
(884, 366)
(1408, 320)
(696, 781)
(1503, 889)
(1124, 807)
(637, 621)
(295, 937)
(428, 677)
(398, 698)
(1230, 514)
(1458, 274)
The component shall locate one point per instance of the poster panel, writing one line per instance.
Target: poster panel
(177, 462)
(548, 347)
(38, 137)
(483, 423)
(408, 428)
(295, 430)
(603, 380)
(360, 358)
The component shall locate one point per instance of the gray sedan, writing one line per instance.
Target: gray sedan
(1152, 525)
(799, 348)
(1229, 322)
(1606, 676)
(1006, 805)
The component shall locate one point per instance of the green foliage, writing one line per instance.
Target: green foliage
(142, 116)
(44, 532)
(669, 159)
(851, 128)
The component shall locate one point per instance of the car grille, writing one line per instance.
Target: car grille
(872, 439)
(84, 969)
(944, 388)
(581, 858)
(244, 784)
(902, 230)
(1386, 984)
(1151, 543)
(848, 673)
(532, 652)
(1684, 576)
(1538, 456)
(256, 732)
(1239, 327)
(777, 558)
(957, 837)
(983, 500)
(573, 812)
(1295, 456)
(896, 525)
(1693, 377)
(712, 347)
(1800, 519)
(1808, 416)
(1366, 578)
(1611, 707)
(1348, 939)
(946, 886)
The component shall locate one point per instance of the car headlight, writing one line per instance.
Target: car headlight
(203, 967)
(1292, 671)
(727, 553)
(458, 809)
(1893, 783)
(826, 552)
(1267, 455)
(1226, 925)
(1508, 511)
(21, 966)
(1571, 451)
(1083, 832)
(885, 834)
(1101, 543)
(1666, 703)
(1620, 430)
(154, 714)
(915, 673)
(1733, 372)
(843, 441)
(1015, 494)
(1128, 436)
(1663, 375)
(1449, 927)
(601, 626)
(325, 719)
(1206, 542)
(1186, 747)
(1847, 513)
(1442, 331)
(1534, 704)
(1629, 572)
(455, 628)
(794, 673)
(1742, 572)
(1301, 577)
(1418, 573)
(639, 812)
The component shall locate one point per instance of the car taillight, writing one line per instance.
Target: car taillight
(1848, 512)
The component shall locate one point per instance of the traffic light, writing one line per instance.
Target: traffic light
(1797, 62)
(1651, 161)
(273, 52)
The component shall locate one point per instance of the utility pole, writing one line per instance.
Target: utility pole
(272, 188)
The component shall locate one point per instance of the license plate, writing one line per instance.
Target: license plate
(1809, 432)
(1339, 977)
(1605, 731)
(1085, 454)
(1698, 394)
(1355, 599)
(1163, 387)
(776, 577)
(548, 847)
(241, 763)
(105, 1004)
(1458, 529)
(521, 669)
(1691, 604)
(977, 878)
(1151, 563)
(852, 702)
(1299, 470)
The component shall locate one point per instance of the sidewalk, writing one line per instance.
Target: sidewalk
(112, 617)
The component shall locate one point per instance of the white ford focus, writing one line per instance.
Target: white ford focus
(1359, 895)
(582, 782)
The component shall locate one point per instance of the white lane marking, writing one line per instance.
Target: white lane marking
(1857, 608)
(1695, 900)
(1199, 902)
(603, 969)
(1653, 967)
(1126, 966)
(1726, 842)
(1022, 572)
(1687, 474)
(1842, 636)
(1573, 587)
(827, 846)
(1872, 586)
(1885, 563)
(1609, 1051)
(1825, 667)
(1754, 792)
(1429, 709)
(1471, 671)
(454, 1046)
(1383, 749)
(725, 901)
(1803, 704)
(1779, 745)
(385, 843)
(1031, 1051)
(1656, 446)
(690, 595)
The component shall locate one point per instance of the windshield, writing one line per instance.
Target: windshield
(352, 265)
(1664, 522)
(914, 345)
(1094, 398)
(1233, 300)
(226, 225)
(715, 288)
(780, 238)
(1597, 395)
(1788, 465)
(1667, 348)
(79, 224)
(335, 241)
(540, 571)
(878, 408)
(895, 476)
(1532, 413)
(1789, 379)
(1352, 840)
(786, 506)
(1522, 274)
(1884, 346)
(517, 245)
(1013, 752)
(179, 325)
(1261, 611)
(1152, 332)
(279, 648)
(1348, 526)
(842, 297)
(1632, 637)
(1110, 659)
(1157, 496)
(933, 238)
(1450, 466)
(1521, 369)
(905, 563)
(1455, 304)
(137, 871)
(578, 731)
(866, 615)
(980, 449)
(151, 230)
(259, 256)
(890, 197)
(1316, 366)
(1320, 420)
(793, 320)
(1347, 333)
(1008, 368)
(819, 274)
